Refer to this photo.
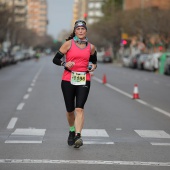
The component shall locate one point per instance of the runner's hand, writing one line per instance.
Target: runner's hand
(69, 64)
(93, 67)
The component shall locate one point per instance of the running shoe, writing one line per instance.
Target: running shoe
(78, 142)
(71, 138)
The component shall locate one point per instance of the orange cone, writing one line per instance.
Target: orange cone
(135, 92)
(104, 79)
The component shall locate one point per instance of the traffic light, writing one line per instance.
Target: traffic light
(85, 16)
(124, 42)
(160, 48)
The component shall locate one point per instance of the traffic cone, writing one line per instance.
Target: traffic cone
(135, 92)
(104, 79)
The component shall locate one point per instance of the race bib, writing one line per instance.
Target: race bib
(78, 78)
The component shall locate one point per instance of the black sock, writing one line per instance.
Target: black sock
(78, 134)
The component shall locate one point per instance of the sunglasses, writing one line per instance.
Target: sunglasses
(80, 21)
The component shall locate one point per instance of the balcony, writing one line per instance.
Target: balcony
(22, 3)
(20, 11)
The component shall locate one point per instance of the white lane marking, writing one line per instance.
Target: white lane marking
(32, 132)
(84, 162)
(160, 144)
(118, 129)
(34, 81)
(118, 90)
(32, 84)
(12, 123)
(153, 134)
(98, 142)
(29, 89)
(36, 76)
(130, 96)
(142, 102)
(26, 96)
(20, 106)
(22, 141)
(94, 133)
(161, 111)
(98, 80)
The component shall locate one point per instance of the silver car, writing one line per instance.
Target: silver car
(152, 62)
(141, 61)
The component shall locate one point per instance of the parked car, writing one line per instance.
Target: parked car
(141, 61)
(107, 59)
(125, 61)
(100, 55)
(152, 62)
(1, 63)
(12, 59)
(19, 56)
(4, 58)
(134, 60)
(167, 65)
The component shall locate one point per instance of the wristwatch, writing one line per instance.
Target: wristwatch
(63, 63)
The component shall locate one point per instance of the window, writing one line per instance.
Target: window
(98, 5)
(99, 14)
(91, 13)
(91, 5)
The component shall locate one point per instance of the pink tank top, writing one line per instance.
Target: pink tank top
(81, 58)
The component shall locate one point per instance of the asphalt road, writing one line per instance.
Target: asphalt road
(119, 132)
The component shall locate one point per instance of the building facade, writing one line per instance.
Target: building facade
(18, 8)
(133, 4)
(94, 11)
(89, 10)
(37, 16)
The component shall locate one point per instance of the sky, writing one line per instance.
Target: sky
(59, 16)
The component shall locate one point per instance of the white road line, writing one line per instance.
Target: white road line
(84, 162)
(29, 89)
(32, 132)
(22, 141)
(32, 84)
(37, 74)
(118, 129)
(130, 96)
(34, 81)
(153, 134)
(20, 106)
(160, 144)
(26, 96)
(94, 133)
(12, 123)
(97, 142)
(142, 102)
(98, 80)
(161, 111)
(118, 90)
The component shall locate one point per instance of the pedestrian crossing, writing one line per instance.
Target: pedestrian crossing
(95, 136)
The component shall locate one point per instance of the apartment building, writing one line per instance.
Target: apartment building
(37, 16)
(79, 10)
(18, 8)
(94, 11)
(89, 10)
(160, 4)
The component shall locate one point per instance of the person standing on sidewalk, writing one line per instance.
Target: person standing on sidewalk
(76, 78)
